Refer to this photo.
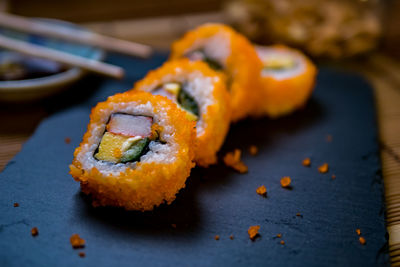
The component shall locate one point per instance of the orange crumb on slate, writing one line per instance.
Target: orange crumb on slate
(333, 177)
(77, 241)
(82, 254)
(216, 237)
(328, 138)
(232, 159)
(282, 242)
(67, 140)
(173, 225)
(298, 214)
(323, 168)
(253, 150)
(362, 240)
(279, 235)
(358, 231)
(306, 162)
(231, 237)
(262, 190)
(285, 181)
(16, 204)
(253, 231)
(34, 231)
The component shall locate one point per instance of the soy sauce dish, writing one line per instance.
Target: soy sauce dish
(24, 78)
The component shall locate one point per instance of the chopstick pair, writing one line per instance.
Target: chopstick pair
(78, 36)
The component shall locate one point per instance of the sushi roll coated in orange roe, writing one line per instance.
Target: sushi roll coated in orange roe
(137, 152)
(201, 92)
(229, 52)
(288, 78)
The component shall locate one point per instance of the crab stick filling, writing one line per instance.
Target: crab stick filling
(177, 93)
(126, 138)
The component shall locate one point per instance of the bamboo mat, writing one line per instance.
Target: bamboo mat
(383, 73)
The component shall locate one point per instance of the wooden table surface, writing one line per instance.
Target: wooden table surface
(20, 121)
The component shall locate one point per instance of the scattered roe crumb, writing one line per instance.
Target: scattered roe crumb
(328, 138)
(253, 231)
(323, 168)
(262, 191)
(16, 204)
(216, 237)
(173, 225)
(231, 237)
(279, 235)
(82, 254)
(362, 240)
(253, 150)
(232, 159)
(298, 214)
(285, 181)
(34, 231)
(282, 242)
(358, 231)
(306, 162)
(67, 140)
(333, 177)
(77, 241)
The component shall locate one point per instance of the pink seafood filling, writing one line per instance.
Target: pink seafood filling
(129, 125)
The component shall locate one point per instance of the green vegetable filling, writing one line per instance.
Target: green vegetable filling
(187, 102)
(201, 55)
(135, 151)
(212, 63)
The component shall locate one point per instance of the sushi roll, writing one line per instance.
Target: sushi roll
(287, 78)
(137, 152)
(227, 51)
(201, 93)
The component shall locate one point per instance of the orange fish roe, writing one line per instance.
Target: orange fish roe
(358, 231)
(77, 241)
(298, 214)
(82, 254)
(173, 225)
(231, 237)
(67, 140)
(306, 162)
(253, 231)
(232, 159)
(34, 231)
(262, 191)
(279, 235)
(282, 242)
(328, 138)
(285, 181)
(333, 177)
(362, 240)
(253, 150)
(216, 237)
(323, 168)
(16, 204)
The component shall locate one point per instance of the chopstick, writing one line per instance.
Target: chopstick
(62, 57)
(73, 35)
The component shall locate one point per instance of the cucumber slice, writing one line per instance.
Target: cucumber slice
(201, 55)
(213, 63)
(135, 151)
(188, 103)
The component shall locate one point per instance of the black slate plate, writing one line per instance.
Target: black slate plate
(216, 201)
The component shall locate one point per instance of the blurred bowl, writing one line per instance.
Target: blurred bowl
(32, 89)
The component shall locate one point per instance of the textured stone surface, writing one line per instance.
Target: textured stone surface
(216, 201)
